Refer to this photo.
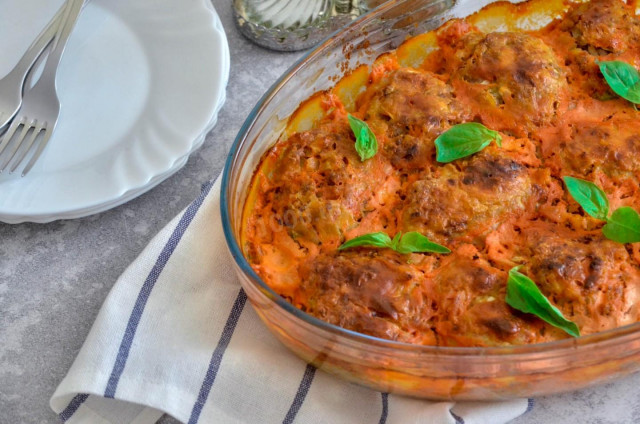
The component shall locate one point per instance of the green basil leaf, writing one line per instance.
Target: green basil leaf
(623, 79)
(623, 226)
(463, 140)
(366, 143)
(413, 242)
(525, 296)
(372, 240)
(395, 241)
(592, 199)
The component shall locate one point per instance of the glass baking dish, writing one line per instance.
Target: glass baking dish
(421, 371)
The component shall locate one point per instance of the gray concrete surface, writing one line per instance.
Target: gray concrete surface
(54, 277)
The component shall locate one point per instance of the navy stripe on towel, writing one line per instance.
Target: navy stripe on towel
(145, 292)
(458, 419)
(385, 408)
(530, 404)
(73, 406)
(216, 358)
(303, 389)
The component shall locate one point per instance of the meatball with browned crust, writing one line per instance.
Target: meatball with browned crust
(467, 199)
(319, 188)
(369, 291)
(513, 80)
(413, 97)
(472, 310)
(604, 26)
(412, 108)
(591, 280)
(611, 147)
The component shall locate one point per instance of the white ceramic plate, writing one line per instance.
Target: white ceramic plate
(141, 83)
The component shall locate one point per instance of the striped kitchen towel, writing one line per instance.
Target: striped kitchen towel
(176, 336)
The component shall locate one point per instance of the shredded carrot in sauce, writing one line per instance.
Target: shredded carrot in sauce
(501, 207)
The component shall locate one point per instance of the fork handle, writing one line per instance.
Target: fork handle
(69, 19)
(36, 48)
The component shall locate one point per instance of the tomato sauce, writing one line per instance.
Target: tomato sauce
(502, 207)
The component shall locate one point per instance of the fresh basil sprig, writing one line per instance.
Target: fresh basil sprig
(622, 226)
(524, 295)
(623, 79)
(463, 140)
(366, 143)
(372, 240)
(592, 199)
(411, 242)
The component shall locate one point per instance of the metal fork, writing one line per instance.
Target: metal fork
(12, 84)
(40, 110)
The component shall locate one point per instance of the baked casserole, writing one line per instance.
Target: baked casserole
(548, 124)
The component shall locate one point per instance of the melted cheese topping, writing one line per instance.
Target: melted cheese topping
(498, 208)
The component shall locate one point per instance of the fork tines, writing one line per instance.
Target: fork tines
(21, 139)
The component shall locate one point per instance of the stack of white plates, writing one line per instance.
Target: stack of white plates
(141, 84)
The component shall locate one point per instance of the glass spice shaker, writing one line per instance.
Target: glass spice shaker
(289, 25)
